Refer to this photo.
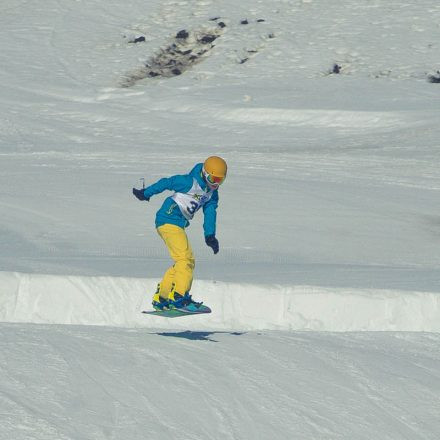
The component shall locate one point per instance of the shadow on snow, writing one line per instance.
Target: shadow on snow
(196, 336)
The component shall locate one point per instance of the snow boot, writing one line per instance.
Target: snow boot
(178, 301)
(159, 302)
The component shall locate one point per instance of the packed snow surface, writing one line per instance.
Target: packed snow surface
(112, 301)
(106, 383)
(328, 221)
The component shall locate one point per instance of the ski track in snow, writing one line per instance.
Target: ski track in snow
(108, 383)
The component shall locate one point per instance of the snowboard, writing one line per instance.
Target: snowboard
(192, 309)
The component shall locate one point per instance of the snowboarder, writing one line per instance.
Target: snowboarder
(198, 189)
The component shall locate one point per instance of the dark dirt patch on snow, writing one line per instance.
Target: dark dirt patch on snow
(185, 50)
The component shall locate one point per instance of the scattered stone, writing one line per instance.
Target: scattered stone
(183, 34)
(260, 20)
(244, 21)
(435, 79)
(137, 40)
(214, 19)
(271, 36)
(336, 69)
(243, 60)
(206, 39)
(221, 24)
(186, 49)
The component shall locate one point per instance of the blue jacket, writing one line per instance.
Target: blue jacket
(170, 212)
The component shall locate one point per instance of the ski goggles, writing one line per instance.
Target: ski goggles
(211, 179)
(214, 179)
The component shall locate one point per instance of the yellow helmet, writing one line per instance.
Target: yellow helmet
(215, 166)
(214, 171)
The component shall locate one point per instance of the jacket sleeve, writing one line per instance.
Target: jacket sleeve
(210, 213)
(175, 183)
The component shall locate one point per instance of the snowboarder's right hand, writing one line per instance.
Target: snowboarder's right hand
(139, 194)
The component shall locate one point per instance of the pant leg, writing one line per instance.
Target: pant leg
(181, 274)
(167, 282)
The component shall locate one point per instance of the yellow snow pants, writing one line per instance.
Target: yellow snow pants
(181, 272)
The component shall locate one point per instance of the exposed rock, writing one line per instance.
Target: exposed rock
(183, 34)
(137, 40)
(208, 39)
(434, 78)
(186, 49)
(336, 69)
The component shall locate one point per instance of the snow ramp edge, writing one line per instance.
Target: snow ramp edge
(118, 301)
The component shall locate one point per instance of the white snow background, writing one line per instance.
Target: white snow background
(326, 290)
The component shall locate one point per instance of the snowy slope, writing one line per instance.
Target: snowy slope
(329, 220)
(344, 165)
(102, 383)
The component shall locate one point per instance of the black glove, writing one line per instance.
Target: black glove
(139, 194)
(212, 242)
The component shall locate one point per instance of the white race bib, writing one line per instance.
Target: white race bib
(189, 203)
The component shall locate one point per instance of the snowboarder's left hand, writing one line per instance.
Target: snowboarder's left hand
(212, 242)
(139, 194)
